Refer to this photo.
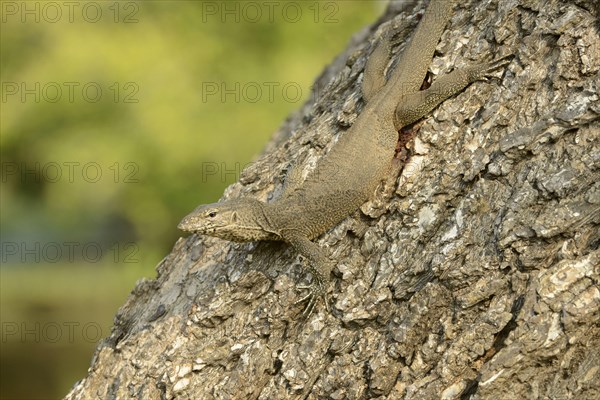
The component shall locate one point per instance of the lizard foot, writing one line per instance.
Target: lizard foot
(484, 72)
(315, 292)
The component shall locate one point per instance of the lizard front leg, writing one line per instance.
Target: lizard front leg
(319, 265)
(418, 104)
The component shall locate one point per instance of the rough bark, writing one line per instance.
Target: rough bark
(477, 279)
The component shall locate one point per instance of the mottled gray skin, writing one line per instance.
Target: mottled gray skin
(349, 174)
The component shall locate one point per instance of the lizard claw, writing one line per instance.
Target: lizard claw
(484, 72)
(315, 292)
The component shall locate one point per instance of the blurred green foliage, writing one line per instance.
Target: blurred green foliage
(107, 128)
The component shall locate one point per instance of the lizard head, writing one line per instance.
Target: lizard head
(237, 220)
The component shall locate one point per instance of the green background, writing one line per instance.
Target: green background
(110, 125)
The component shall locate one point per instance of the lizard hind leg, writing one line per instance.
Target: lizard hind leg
(418, 104)
(484, 71)
(374, 75)
(293, 180)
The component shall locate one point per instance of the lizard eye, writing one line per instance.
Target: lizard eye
(212, 214)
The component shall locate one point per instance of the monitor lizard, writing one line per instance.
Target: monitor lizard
(348, 175)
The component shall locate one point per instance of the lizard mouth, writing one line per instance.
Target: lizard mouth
(193, 227)
(190, 226)
(185, 226)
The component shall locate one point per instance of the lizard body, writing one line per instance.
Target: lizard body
(348, 175)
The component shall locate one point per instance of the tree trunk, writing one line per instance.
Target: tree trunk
(476, 278)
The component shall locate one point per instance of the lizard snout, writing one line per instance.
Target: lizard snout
(186, 224)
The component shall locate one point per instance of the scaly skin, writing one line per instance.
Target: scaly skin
(349, 174)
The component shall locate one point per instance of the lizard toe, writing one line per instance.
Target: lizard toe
(316, 291)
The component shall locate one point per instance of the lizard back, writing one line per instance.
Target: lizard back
(345, 178)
